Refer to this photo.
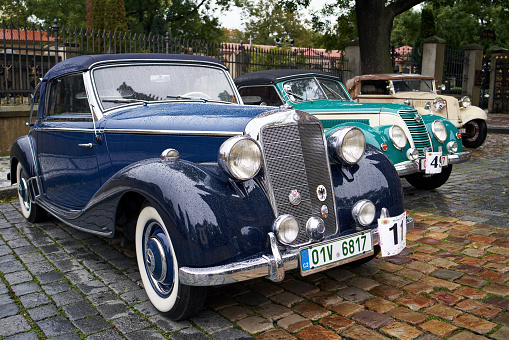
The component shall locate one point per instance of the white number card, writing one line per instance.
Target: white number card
(433, 162)
(392, 233)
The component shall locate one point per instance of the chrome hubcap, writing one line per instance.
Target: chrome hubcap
(23, 193)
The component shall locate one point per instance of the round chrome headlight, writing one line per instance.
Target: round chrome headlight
(347, 144)
(398, 137)
(452, 147)
(286, 228)
(439, 131)
(465, 101)
(240, 157)
(363, 212)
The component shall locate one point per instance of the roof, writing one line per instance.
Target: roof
(350, 83)
(24, 35)
(84, 62)
(269, 77)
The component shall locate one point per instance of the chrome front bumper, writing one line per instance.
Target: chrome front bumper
(272, 266)
(410, 167)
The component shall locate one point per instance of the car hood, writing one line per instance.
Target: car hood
(348, 107)
(416, 95)
(186, 117)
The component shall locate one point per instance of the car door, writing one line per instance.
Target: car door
(66, 144)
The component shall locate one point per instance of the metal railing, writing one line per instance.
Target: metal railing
(27, 53)
(455, 62)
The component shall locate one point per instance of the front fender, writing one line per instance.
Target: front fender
(472, 112)
(21, 151)
(452, 133)
(210, 221)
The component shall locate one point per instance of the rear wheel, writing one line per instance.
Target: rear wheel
(421, 181)
(31, 211)
(475, 134)
(159, 269)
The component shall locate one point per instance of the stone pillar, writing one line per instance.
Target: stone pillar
(473, 72)
(353, 55)
(433, 58)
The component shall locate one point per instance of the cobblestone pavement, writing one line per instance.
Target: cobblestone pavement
(450, 282)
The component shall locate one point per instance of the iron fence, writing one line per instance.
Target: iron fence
(406, 59)
(28, 52)
(455, 61)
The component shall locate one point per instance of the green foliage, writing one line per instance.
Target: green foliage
(277, 57)
(427, 23)
(406, 29)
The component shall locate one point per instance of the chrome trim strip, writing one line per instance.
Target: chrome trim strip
(153, 132)
(459, 157)
(407, 168)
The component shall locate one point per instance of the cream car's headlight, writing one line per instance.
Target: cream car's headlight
(465, 101)
(363, 212)
(347, 144)
(240, 157)
(439, 131)
(286, 228)
(398, 137)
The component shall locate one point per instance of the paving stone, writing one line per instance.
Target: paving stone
(498, 302)
(401, 331)
(211, 322)
(294, 323)
(55, 326)
(190, 334)
(497, 289)
(270, 311)
(392, 280)
(347, 308)
(79, 310)
(311, 310)
(337, 322)
(145, 334)
(167, 325)
(37, 268)
(471, 293)
(358, 332)
(446, 298)
(410, 274)
(407, 315)
(472, 281)
(265, 288)
(414, 302)
(474, 324)
(66, 298)
(13, 324)
(340, 273)
(286, 299)
(255, 324)
(26, 288)
(443, 312)
(439, 328)
(234, 313)
(43, 312)
(300, 288)
(325, 299)
(124, 286)
(362, 283)
(18, 277)
(146, 308)
(354, 294)
(364, 270)
(130, 323)
(276, 334)
(316, 332)
(232, 334)
(478, 308)
(101, 298)
(24, 336)
(56, 287)
(34, 300)
(449, 275)
(372, 319)
(114, 310)
(465, 335)
(331, 285)
(501, 334)
(252, 299)
(92, 325)
(387, 292)
(502, 319)
(8, 309)
(379, 305)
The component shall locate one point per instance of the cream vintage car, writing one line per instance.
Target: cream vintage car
(421, 92)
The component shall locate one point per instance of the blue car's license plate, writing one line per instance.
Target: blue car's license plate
(315, 257)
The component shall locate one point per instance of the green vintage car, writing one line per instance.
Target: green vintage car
(422, 148)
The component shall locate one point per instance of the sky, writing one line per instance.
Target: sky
(231, 19)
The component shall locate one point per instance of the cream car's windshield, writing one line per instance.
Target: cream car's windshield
(125, 84)
(413, 85)
(308, 89)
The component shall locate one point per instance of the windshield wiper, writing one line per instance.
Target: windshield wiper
(295, 95)
(124, 100)
(188, 98)
(333, 92)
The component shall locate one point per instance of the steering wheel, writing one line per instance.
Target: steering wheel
(196, 94)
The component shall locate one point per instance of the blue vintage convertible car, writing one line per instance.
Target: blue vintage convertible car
(212, 192)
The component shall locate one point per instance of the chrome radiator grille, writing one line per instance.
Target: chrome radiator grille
(295, 159)
(417, 130)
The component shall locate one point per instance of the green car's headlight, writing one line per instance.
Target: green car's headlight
(398, 137)
(439, 131)
(240, 157)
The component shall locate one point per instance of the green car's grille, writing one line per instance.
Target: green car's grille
(417, 129)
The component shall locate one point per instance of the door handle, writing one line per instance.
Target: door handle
(87, 145)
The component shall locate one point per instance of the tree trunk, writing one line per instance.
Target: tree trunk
(374, 26)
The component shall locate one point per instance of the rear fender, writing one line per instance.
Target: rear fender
(21, 152)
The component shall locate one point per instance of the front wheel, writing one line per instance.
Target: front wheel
(475, 133)
(30, 210)
(421, 181)
(159, 269)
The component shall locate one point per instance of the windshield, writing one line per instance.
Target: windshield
(314, 89)
(406, 85)
(147, 83)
